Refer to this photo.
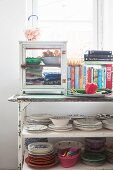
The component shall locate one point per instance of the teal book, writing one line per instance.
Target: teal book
(84, 76)
(99, 80)
(68, 77)
(77, 76)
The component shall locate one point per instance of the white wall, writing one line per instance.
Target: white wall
(12, 24)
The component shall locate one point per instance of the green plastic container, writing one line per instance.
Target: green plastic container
(31, 60)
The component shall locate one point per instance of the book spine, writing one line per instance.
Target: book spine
(95, 75)
(92, 52)
(69, 77)
(108, 76)
(98, 57)
(97, 62)
(77, 86)
(88, 75)
(103, 76)
(84, 76)
(112, 77)
(72, 77)
(81, 76)
(92, 74)
(99, 80)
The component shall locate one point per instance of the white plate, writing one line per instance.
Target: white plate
(108, 121)
(40, 116)
(35, 127)
(89, 126)
(89, 129)
(87, 122)
(52, 126)
(110, 127)
(40, 147)
(61, 130)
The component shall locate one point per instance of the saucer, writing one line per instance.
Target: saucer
(40, 116)
(52, 126)
(60, 129)
(35, 127)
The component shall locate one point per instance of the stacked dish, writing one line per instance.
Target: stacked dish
(103, 116)
(60, 124)
(41, 155)
(35, 128)
(69, 157)
(93, 159)
(87, 124)
(60, 129)
(109, 152)
(68, 152)
(108, 123)
(41, 119)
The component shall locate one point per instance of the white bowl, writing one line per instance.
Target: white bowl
(53, 60)
(60, 121)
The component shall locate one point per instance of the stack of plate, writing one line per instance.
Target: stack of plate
(93, 159)
(42, 119)
(65, 128)
(87, 124)
(103, 116)
(109, 152)
(41, 155)
(108, 123)
(35, 128)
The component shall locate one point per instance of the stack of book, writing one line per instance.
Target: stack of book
(75, 71)
(99, 74)
(103, 75)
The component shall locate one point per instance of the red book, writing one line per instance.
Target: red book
(109, 76)
(72, 77)
(89, 75)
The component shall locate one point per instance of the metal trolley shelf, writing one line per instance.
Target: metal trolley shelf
(24, 100)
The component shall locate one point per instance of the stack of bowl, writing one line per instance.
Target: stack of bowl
(109, 152)
(93, 159)
(60, 124)
(94, 151)
(68, 152)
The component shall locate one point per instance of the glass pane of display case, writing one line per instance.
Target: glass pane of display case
(43, 66)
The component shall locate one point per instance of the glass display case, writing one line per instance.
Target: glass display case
(43, 67)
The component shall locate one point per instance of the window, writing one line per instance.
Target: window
(74, 21)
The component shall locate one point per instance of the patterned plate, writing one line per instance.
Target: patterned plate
(40, 116)
(87, 122)
(36, 127)
(108, 121)
(40, 166)
(40, 147)
(53, 127)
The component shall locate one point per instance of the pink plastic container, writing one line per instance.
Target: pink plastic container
(69, 161)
